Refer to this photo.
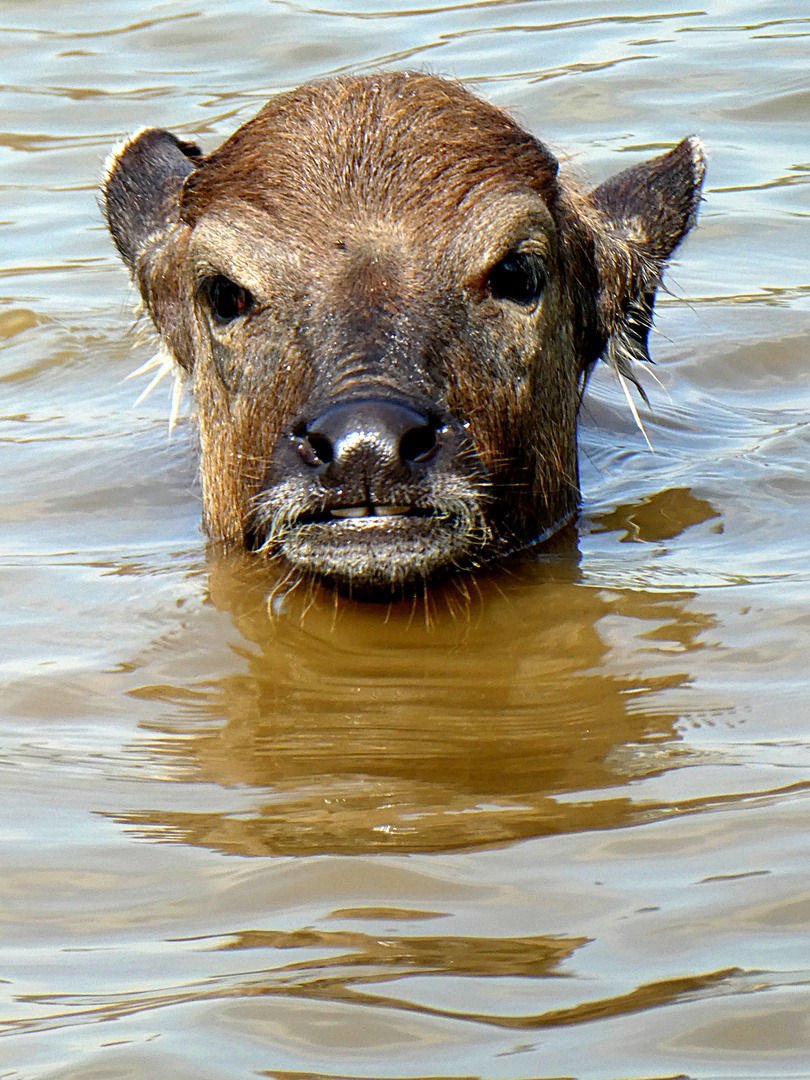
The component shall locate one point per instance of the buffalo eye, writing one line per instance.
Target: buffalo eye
(227, 299)
(519, 277)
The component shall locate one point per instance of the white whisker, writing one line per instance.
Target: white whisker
(161, 359)
(632, 405)
(177, 395)
(163, 364)
(141, 397)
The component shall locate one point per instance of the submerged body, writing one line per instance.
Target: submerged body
(387, 302)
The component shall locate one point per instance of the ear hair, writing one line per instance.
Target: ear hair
(648, 209)
(143, 182)
(655, 203)
(143, 179)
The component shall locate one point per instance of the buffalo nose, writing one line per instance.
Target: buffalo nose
(366, 438)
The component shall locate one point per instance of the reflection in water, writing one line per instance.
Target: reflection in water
(369, 728)
(368, 960)
(366, 729)
(660, 517)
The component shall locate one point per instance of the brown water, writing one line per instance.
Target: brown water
(561, 828)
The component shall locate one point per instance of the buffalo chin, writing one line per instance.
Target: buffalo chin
(379, 557)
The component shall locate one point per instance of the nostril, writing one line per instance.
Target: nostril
(419, 444)
(320, 446)
(367, 438)
(313, 448)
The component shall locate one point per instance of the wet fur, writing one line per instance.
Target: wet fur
(365, 214)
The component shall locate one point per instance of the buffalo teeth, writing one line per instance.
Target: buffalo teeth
(368, 511)
(350, 512)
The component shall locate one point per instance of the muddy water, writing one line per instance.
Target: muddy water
(558, 827)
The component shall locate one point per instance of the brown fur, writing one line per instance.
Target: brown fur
(364, 216)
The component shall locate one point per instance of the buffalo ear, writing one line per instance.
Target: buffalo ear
(648, 209)
(142, 188)
(142, 192)
(655, 203)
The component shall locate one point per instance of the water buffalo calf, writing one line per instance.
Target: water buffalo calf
(386, 301)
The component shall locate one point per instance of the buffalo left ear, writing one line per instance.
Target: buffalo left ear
(655, 203)
(648, 208)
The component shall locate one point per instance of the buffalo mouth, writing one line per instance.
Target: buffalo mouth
(376, 550)
(351, 513)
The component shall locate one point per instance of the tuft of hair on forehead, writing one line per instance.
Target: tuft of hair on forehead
(379, 141)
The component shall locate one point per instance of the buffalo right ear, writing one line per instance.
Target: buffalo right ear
(142, 192)
(142, 188)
